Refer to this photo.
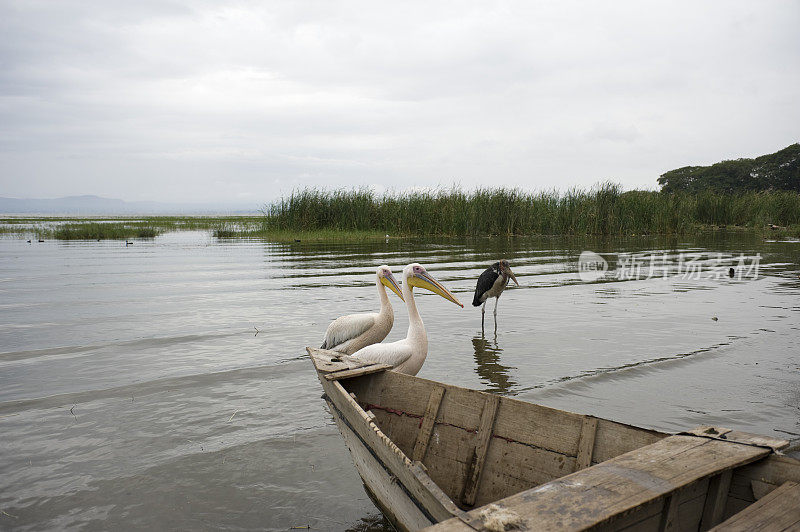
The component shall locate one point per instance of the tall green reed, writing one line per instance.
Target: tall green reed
(602, 210)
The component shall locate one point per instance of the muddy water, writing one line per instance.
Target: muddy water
(136, 392)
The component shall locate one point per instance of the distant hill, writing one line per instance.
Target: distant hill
(82, 205)
(776, 171)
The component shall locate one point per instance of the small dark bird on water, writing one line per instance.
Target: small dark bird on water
(731, 272)
(491, 283)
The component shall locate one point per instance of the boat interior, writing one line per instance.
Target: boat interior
(463, 449)
(525, 445)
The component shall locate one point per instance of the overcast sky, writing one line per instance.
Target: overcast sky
(242, 101)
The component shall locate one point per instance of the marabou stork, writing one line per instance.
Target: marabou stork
(491, 283)
(408, 355)
(348, 334)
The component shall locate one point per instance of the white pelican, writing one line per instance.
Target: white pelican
(348, 334)
(491, 283)
(408, 355)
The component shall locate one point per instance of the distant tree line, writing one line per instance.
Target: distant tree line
(776, 171)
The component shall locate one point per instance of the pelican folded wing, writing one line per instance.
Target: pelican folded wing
(345, 329)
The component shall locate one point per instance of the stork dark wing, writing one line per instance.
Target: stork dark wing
(485, 283)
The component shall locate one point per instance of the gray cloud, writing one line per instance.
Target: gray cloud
(196, 101)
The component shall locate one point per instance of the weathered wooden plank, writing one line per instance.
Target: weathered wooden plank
(768, 473)
(718, 489)
(393, 501)
(512, 467)
(761, 488)
(708, 431)
(399, 429)
(530, 424)
(424, 434)
(649, 517)
(777, 511)
(613, 439)
(690, 509)
(421, 474)
(601, 493)
(326, 361)
(450, 448)
(451, 525)
(537, 425)
(775, 469)
(586, 442)
(509, 467)
(720, 433)
(540, 426)
(414, 480)
(447, 458)
(686, 517)
(481, 446)
(669, 513)
(356, 372)
(522, 453)
(775, 444)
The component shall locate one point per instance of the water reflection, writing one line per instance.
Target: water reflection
(489, 368)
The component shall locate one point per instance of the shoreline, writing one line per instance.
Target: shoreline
(228, 227)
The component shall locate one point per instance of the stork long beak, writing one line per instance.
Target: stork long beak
(426, 281)
(391, 283)
(511, 274)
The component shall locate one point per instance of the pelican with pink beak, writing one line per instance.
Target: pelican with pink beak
(348, 334)
(408, 355)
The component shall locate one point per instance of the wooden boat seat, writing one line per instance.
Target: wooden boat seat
(678, 483)
(777, 511)
(336, 366)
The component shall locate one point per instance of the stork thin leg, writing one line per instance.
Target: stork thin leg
(483, 312)
(496, 301)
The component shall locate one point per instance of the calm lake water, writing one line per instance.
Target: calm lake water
(136, 394)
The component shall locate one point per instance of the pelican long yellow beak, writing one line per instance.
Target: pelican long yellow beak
(390, 282)
(426, 281)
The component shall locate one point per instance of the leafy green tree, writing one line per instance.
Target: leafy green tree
(776, 171)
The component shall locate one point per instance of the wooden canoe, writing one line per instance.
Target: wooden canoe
(453, 459)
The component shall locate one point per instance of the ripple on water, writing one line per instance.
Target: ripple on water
(135, 392)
